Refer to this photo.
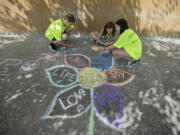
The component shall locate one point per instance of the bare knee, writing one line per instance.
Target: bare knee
(91, 33)
(115, 52)
(65, 36)
(94, 35)
(116, 56)
(120, 54)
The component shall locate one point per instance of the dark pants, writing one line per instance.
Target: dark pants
(52, 41)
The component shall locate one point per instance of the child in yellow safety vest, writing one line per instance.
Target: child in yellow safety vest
(59, 30)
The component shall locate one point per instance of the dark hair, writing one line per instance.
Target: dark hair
(70, 18)
(123, 24)
(109, 25)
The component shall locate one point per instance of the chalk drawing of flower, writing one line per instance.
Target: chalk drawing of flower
(95, 90)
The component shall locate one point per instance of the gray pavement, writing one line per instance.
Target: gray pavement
(150, 102)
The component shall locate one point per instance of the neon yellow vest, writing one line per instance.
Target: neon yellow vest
(108, 36)
(56, 29)
(131, 43)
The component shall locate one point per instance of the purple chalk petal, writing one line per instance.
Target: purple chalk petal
(117, 124)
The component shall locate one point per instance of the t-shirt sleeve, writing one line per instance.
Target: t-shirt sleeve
(122, 40)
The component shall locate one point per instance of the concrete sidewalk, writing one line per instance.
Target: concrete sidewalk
(151, 101)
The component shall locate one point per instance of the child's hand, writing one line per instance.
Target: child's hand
(71, 45)
(55, 42)
(101, 48)
(106, 44)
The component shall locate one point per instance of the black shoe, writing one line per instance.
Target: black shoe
(133, 62)
(52, 47)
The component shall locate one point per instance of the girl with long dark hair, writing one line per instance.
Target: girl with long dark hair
(106, 36)
(128, 45)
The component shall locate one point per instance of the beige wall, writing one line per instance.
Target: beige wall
(149, 17)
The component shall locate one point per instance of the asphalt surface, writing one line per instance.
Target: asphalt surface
(30, 104)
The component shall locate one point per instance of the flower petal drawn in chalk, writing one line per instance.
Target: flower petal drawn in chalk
(91, 77)
(105, 97)
(102, 63)
(118, 77)
(78, 61)
(62, 76)
(71, 102)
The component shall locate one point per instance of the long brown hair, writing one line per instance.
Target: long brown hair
(109, 25)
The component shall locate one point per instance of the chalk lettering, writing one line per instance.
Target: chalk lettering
(63, 73)
(72, 77)
(63, 106)
(67, 75)
(80, 108)
(62, 76)
(72, 100)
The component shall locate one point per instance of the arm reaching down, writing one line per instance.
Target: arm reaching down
(62, 43)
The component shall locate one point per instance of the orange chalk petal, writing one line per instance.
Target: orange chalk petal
(118, 77)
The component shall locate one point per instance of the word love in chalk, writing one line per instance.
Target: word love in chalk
(62, 76)
(28, 66)
(78, 61)
(108, 105)
(72, 100)
(118, 77)
(102, 63)
(69, 103)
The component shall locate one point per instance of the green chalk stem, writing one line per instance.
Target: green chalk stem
(91, 121)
